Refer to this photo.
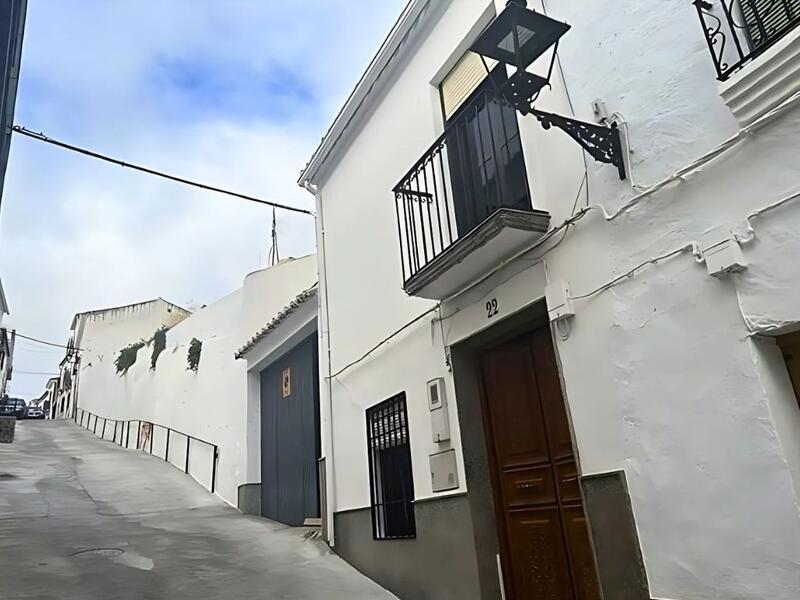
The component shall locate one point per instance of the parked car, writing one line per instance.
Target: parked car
(34, 412)
(13, 407)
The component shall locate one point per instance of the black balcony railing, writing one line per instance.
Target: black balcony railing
(737, 31)
(474, 168)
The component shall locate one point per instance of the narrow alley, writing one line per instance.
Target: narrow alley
(81, 518)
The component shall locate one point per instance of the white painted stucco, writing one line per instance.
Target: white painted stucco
(210, 404)
(665, 375)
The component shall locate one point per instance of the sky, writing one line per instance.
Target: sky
(233, 93)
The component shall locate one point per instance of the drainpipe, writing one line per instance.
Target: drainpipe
(330, 469)
(77, 371)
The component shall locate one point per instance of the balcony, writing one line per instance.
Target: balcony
(465, 205)
(738, 31)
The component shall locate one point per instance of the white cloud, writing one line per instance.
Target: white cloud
(235, 94)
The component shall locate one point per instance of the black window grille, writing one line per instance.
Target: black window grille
(737, 31)
(390, 477)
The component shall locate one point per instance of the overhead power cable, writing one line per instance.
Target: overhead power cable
(33, 373)
(43, 138)
(25, 337)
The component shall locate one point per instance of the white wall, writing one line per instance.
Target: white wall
(662, 375)
(210, 404)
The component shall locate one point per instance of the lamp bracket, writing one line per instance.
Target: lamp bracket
(601, 142)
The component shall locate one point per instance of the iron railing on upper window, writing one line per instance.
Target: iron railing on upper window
(475, 167)
(737, 31)
(390, 477)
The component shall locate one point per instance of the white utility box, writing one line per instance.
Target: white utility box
(444, 471)
(559, 306)
(437, 402)
(724, 258)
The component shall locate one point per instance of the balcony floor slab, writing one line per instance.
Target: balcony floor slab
(498, 238)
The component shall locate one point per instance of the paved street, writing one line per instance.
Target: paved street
(83, 519)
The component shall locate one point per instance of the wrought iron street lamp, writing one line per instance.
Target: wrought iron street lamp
(517, 37)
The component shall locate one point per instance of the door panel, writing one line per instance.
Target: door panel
(290, 436)
(567, 482)
(529, 486)
(552, 399)
(518, 427)
(584, 575)
(544, 537)
(539, 564)
(790, 346)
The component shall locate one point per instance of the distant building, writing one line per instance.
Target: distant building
(100, 334)
(51, 396)
(6, 359)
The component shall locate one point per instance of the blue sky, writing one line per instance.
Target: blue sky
(234, 93)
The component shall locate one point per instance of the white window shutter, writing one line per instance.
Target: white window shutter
(467, 75)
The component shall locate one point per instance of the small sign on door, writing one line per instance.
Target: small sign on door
(287, 382)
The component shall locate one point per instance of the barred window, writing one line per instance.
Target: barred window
(390, 477)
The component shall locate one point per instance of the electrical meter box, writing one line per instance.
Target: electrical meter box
(724, 258)
(444, 472)
(559, 305)
(437, 402)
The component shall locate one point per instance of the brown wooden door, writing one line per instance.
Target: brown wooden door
(544, 539)
(790, 346)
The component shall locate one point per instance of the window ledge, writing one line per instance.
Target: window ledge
(765, 82)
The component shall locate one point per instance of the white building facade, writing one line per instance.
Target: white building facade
(591, 388)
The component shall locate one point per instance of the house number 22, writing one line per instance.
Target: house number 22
(491, 308)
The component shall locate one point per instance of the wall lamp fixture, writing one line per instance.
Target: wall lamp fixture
(517, 37)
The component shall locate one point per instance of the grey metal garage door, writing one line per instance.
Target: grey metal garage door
(290, 435)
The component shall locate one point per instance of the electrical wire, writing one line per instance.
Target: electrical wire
(633, 271)
(385, 340)
(25, 337)
(32, 373)
(702, 160)
(43, 138)
(757, 213)
(35, 351)
(573, 219)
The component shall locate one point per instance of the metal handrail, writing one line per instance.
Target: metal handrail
(126, 436)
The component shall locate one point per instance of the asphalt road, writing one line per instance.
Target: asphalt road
(82, 519)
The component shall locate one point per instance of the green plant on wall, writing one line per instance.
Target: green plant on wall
(127, 357)
(159, 345)
(193, 356)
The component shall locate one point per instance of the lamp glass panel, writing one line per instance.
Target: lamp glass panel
(525, 35)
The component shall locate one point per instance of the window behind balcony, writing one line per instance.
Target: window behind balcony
(391, 481)
(768, 20)
(487, 167)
